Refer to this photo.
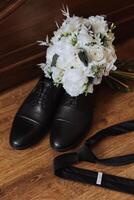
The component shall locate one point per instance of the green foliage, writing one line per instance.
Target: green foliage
(117, 79)
(117, 84)
(54, 60)
(83, 57)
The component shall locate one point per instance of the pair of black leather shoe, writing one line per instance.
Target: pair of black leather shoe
(48, 106)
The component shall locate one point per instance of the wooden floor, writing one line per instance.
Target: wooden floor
(28, 174)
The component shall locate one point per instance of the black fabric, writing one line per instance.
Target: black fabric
(63, 164)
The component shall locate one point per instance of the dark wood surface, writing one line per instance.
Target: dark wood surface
(8, 7)
(23, 22)
(28, 174)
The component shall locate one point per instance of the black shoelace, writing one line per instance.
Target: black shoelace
(63, 164)
(71, 101)
(41, 92)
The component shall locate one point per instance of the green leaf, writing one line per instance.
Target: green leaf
(83, 57)
(54, 60)
(74, 41)
(117, 85)
(125, 65)
(123, 75)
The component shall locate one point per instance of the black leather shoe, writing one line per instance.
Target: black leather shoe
(71, 122)
(35, 115)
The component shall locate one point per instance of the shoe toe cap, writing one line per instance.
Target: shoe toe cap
(64, 135)
(24, 133)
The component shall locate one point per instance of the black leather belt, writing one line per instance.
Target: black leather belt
(63, 164)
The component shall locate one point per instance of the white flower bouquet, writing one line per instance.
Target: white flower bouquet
(80, 53)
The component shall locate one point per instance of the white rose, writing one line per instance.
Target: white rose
(97, 53)
(110, 54)
(110, 60)
(71, 24)
(98, 23)
(73, 81)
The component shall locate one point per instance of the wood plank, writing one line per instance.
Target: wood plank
(28, 174)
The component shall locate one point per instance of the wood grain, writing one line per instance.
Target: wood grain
(32, 20)
(9, 6)
(28, 174)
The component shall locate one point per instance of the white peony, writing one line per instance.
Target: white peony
(57, 75)
(67, 57)
(51, 51)
(73, 81)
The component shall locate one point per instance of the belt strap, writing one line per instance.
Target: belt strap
(63, 164)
